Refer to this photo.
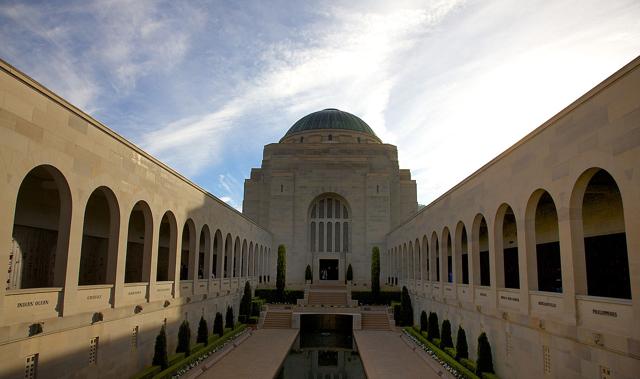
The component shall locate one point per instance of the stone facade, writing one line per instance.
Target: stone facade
(570, 188)
(350, 167)
(77, 200)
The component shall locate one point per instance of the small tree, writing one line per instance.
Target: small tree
(308, 275)
(423, 321)
(217, 324)
(434, 329)
(484, 362)
(281, 271)
(203, 332)
(228, 319)
(349, 273)
(446, 335)
(160, 354)
(462, 350)
(406, 308)
(245, 304)
(375, 273)
(184, 339)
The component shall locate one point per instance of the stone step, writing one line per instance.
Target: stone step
(375, 321)
(277, 320)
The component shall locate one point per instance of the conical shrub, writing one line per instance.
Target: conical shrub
(203, 332)
(218, 327)
(245, 304)
(423, 322)
(434, 328)
(485, 361)
(462, 349)
(406, 308)
(160, 357)
(184, 339)
(446, 335)
(375, 273)
(228, 319)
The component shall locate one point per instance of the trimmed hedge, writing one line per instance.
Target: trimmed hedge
(367, 298)
(466, 373)
(198, 352)
(270, 296)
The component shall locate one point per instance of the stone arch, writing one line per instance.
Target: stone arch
(236, 258)
(435, 257)
(218, 258)
(228, 256)
(543, 243)
(167, 238)
(601, 262)
(462, 254)
(418, 253)
(506, 247)
(426, 275)
(447, 251)
(243, 263)
(188, 251)
(251, 268)
(40, 236)
(204, 252)
(480, 251)
(329, 224)
(138, 257)
(100, 233)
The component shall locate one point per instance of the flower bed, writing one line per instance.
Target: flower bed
(449, 363)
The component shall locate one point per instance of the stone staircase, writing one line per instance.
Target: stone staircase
(327, 298)
(277, 320)
(375, 321)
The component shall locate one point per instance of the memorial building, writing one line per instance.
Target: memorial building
(103, 244)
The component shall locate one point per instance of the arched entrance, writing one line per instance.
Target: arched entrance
(329, 237)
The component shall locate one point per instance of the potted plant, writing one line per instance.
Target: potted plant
(308, 275)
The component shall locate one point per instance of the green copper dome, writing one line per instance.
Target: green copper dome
(330, 118)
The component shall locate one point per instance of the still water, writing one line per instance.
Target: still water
(323, 355)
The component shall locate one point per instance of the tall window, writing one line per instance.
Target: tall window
(329, 225)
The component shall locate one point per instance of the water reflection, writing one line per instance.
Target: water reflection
(323, 355)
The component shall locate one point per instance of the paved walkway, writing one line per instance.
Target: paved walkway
(260, 356)
(385, 355)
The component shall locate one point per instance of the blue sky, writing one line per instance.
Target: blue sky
(204, 86)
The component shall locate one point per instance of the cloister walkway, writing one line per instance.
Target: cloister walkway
(385, 355)
(260, 356)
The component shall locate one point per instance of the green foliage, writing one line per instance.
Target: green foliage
(486, 375)
(434, 328)
(203, 332)
(271, 296)
(187, 360)
(245, 304)
(308, 275)
(406, 308)
(423, 321)
(281, 271)
(383, 298)
(160, 350)
(462, 348)
(437, 341)
(228, 318)
(147, 373)
(253, 320)
(184, 338)
(466, 373)
(256, 306)
(349, 276)
(450, 351)
(217, 325)
(468, 363)
(446, 334)
(375, 272)
(485, 361)
(397, 313)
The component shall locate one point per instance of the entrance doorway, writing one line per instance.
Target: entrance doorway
(329, 269)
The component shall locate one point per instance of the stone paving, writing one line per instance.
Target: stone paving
(260, 356)
(385, 355)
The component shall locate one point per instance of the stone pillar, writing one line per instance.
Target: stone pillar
(72, 259)
(523, 263)
(121, 261)
(177, 262)
(566, 264)
(153, 259)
